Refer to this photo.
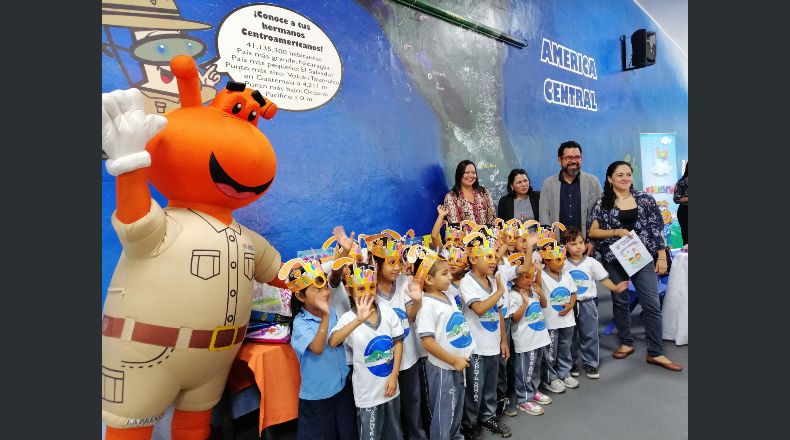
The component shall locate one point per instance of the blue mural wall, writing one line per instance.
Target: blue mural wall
(418, 95)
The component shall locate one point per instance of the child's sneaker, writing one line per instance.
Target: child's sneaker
(472, 432)
(570, 382)
(510, 408)
(531, 408)
(575, 370)
(592, 372)
(541, 398)
(556, 386)
(496, 427)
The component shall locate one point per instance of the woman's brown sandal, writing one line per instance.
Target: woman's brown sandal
(618, 354)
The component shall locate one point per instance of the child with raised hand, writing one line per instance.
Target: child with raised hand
(393, 290)
(530, 338)
(513, 237)
(585, 271)
(561, 294)
(482, 297)
(436, 238)
(457, 261)
(339, 300)
(326, 401)
(445, 335)
(373, 333)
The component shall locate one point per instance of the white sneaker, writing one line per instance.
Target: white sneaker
(556, 386)
(530, 408)
(570, 382)
(541, 398)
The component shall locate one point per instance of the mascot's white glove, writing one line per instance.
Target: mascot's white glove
(125, 129)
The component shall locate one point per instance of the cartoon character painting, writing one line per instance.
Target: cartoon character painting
(158, 33)
(179, 300)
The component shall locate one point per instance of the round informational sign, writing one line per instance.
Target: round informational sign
(281, 53)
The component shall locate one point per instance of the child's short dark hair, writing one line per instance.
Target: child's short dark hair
(570, 235)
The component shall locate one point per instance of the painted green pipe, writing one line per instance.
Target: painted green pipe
(453, 18)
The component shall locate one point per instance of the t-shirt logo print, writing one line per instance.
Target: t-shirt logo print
(490, 319)
(378, 356)
(404, 320)
(534, 317)
(559, 297)
(458, 331)
(581, 279)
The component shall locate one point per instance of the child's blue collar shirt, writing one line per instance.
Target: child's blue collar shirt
(323, 375)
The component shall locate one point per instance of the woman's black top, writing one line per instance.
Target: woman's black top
(628, 218)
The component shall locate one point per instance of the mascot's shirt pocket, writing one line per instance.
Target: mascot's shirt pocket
(205, 263)
(249, 265)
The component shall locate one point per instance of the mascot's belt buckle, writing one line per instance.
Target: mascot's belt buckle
(219, 329)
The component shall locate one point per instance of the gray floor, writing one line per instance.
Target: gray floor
(631, 400)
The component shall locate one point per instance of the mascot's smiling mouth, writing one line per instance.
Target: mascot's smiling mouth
(230, 187)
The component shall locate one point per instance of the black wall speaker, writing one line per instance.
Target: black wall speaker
(643, 48)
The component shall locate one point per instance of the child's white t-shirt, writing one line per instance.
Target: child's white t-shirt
(485, 328)
(443, 321)
(558, 294)
(508, 272)
(373, 353)
(398, 302)
(529, 333)
(585, 274)
(454, 295)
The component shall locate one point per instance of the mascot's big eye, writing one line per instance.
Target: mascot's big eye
(236, 108)
(252, 116)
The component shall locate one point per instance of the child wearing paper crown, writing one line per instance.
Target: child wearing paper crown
(561, 291)
(456, 259)
(530, 337)
(374, 334)
(326, 400)
(445, 335)
(514, 235)
(585, 271)
(386, 250)
(482, 297)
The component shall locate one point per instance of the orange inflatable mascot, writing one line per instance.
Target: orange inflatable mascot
(179, 301)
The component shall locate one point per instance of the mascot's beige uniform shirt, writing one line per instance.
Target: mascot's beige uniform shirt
(185, 269)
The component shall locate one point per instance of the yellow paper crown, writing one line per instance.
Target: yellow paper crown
(405, 238)
(428, 257)
(356, 249)
(517, 259)
(552, 251)
(454, 254)
(453, 234)
(300, 273)
(361, 276)
(523, 228)
(478, 245)
(384, 245)
(547, 235)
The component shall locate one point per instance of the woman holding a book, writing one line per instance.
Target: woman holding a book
(622, 210)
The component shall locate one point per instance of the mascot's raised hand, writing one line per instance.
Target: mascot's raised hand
(126, 129)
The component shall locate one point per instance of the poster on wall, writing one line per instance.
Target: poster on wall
(277, 51)
(659, 175)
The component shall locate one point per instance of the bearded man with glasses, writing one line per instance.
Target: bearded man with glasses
(569, 196)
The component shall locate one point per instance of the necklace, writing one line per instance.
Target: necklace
(622, 198)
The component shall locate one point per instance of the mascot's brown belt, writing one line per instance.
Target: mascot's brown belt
(221, 338)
